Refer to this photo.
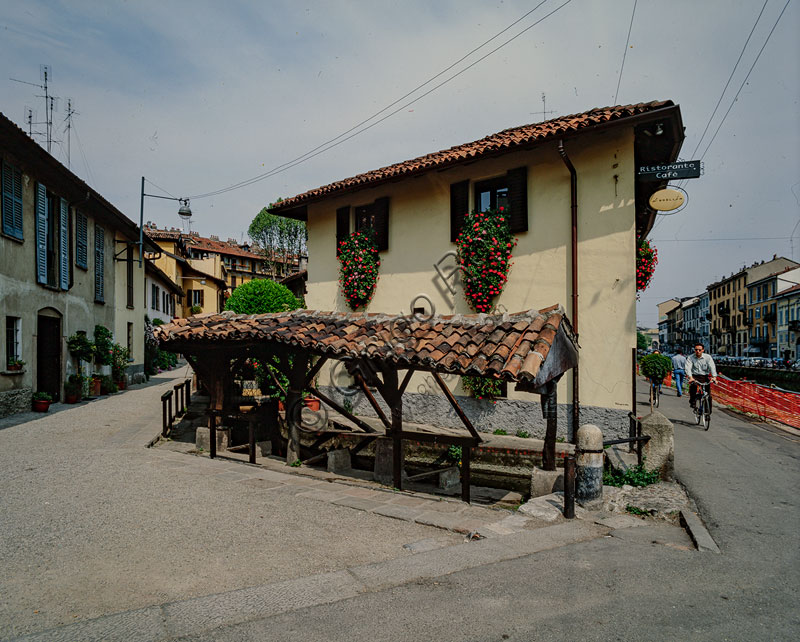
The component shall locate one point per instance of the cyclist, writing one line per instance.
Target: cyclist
(699, 368)
(679, 370)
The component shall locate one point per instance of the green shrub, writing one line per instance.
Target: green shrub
(102, 345)
(41, 396)
(655, 366)
(195, 309)
(523, 433)
(635, 476)
(499, 431)
(80, 347)
(261, 296)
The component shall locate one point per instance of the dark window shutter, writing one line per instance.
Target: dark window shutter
(99, 264)
(12, 201)
(380, 212)
(41, 233)
(188, 298)
(342, 226)
(518, 198)
(459, 206)
(63, 249)
(81, 241)
(363, 214)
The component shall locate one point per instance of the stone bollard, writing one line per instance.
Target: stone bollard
(659, 451)
(589, 467)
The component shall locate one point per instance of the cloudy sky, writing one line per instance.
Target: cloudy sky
(198, 96)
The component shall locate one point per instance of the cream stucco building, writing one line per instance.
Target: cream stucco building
(68, 262)
(416, 207)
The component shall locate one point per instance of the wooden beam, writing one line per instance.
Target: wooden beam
(406, 380)
(449, 395)
(314, 371)
(549, 402)
(358, 422)
(372, 401)
(434, 438)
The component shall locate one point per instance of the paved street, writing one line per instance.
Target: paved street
(104, 539)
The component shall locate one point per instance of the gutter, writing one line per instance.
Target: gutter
(573, 197)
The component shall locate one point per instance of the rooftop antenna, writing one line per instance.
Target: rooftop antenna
(50, 104)
(68, 120)
(544, 107)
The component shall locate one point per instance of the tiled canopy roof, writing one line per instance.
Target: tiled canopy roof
(512, 346)
(507, 140)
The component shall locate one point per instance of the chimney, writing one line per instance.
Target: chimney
(214, 237)
(232, 242)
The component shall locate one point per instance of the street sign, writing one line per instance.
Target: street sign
(682, 169)
(667, 200)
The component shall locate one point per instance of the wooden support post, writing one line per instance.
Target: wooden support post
(466, 455)
(342, 411)
(252, 427)
(392, 396)
(550, 412)
(212, 435)
(294, 405)
(372, 401)
(449, 395)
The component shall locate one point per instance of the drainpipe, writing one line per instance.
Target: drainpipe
(573, 196)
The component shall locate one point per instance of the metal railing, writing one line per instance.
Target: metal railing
(634, 437)
(174, 404)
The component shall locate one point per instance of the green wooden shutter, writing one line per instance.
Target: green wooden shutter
(81, 241)
(381, 225)
(12, 201)
(342, 226)
(63, 249)
(41, 234)
(459, 206)
(518, 198)
(99, 264)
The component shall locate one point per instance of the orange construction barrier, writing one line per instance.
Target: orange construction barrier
(762, 401)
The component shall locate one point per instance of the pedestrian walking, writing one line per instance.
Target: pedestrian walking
(679, 370)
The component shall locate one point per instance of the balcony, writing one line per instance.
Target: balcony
(742, 307)
(759, 341)
(770, 317)
(748, 321)
(794, 326)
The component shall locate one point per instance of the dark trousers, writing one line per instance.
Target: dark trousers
(694, 389)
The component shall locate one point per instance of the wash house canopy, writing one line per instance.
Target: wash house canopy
(530, 349)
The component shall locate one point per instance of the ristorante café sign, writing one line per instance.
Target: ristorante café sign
(669, 171)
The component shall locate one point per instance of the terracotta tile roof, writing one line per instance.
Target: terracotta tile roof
(513, 347)
(508, 140)
(201, 242)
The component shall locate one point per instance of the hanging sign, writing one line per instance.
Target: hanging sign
(670, 171)
(666, 200)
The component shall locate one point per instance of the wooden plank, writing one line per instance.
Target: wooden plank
(406, 380)
(314, 371)
(449, 395)
(372, 401)
(439, 439)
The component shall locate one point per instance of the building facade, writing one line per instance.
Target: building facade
(586, 164)
(788, 329)
(68, 262)
(763, 310)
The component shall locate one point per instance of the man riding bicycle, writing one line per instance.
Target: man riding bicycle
(700, 368)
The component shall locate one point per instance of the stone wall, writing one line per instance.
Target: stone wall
(511, 415)
(14, 401)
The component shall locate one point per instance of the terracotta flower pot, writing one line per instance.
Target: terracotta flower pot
(73, 398)
(121, 384)
(94, 387)
(312, 403)
(40, 405)
(281, 406)
(15, 367)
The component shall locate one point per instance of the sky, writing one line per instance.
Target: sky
(199, 95)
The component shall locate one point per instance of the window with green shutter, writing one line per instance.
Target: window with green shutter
(376, 216)
(12, 201)
(81, 241)
(99, 264)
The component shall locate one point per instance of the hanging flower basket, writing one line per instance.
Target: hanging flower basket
(646, 261)
(484, 256)
(359, 263)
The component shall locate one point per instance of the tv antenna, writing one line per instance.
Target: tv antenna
(70, 112)
(544, 108)
(50, 105)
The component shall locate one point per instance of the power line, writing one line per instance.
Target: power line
(338, 140)
(705, 240)
(625, 53)
(744, 82)
(733, 71)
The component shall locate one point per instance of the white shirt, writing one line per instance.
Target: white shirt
(701, 365)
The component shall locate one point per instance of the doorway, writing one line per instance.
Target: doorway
(48, 355)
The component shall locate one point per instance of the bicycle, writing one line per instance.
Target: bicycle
(702, 406)
(655, 392)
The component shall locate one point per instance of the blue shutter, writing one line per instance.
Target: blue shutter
(41, 234)
(81, 241)
(99, 263)
(12, 201)
(63, 249)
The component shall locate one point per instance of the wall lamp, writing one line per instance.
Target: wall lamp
(185, 212)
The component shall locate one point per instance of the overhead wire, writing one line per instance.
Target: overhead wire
(320, 149)
(625, 53)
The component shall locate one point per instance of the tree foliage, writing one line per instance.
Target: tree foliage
(641, 341)
(282, 239)
(261, 296)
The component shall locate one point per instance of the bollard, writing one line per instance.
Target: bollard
(569, 487)
(589, 467)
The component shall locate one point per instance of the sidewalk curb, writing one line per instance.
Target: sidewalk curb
(697, 531)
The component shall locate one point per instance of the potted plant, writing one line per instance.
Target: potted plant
(15, 364)
(41, 401)
(94, 384)
(81, 347)
(107, 386)
(119, 363)
(73, 388)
